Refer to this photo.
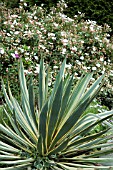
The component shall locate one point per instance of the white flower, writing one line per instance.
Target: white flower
(1, 51)
(94, 48)
(108, 35)
(14, 16)
(27, 72)
(38, 23)
(106, 40)
(14, 22)
(86, 54)
(82, 57)
(63, 50)
(50, 43)
(91, 28)
(8, 34)
(68, 66)
(49, 84)
(76, 74)
(62, 15)
(98, 64)
(78, 78)
(51, 35)
(42, 46)
(75, 16)
(92, 79)
(78, 62)
(26, 25)
(53, 38)
(42, 28)
(109, 60)
(27, 58)
(101, 59)
(11, 32)
(37, 69)
(91, 22)
(36, 57)
(96, 38)
(82, 41)
(47, 51)
(34, 12)
(63, 33)
(22, 50)
(25, 4)
(79, 12)
(70, 20)
(65, 5)
(5, 22)
(30, 16)
(27, 54)
(84, 67)
(105, 62)
(16, 52)
(35, 17)
(103, 72)
(55, 67)
(16, 32)
(104, 69)
(94, 68)
(64, 41)
(74, 49)
(20, 7)
(55, 24)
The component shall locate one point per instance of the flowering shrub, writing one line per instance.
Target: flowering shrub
(32, 34)
(99, 10)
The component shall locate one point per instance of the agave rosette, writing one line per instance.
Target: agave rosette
(53, 135)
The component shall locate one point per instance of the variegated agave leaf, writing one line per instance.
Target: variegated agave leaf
(54, 135)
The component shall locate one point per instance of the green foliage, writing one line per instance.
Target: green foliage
(45, 3)
(3, 117)
(95, 107)
(15, 3)
(98, 10)
(1, 113)
(11, 3)
(54, 134)
(34, 33)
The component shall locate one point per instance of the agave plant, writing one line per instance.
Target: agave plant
(54, 135)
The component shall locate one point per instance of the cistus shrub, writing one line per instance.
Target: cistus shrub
(34, 33)
(98, 10)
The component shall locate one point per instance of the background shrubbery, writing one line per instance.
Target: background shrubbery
(98, 10)
(33, 33)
